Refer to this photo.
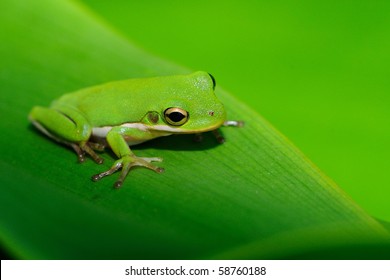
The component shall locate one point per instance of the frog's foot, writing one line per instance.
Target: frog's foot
(97, 146)
(88, 147)
(198, 137)
(234, 123)
(218, 136)
(126, 163)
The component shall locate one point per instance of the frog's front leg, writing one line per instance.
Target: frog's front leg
(117, 139)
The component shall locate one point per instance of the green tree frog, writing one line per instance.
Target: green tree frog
(129, 112)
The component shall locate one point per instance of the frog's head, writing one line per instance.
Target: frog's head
(193, 106)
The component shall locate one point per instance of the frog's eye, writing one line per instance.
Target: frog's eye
(213, 79)
(175, 116)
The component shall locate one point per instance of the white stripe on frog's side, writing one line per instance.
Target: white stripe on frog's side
(156, 131)
(103, 131)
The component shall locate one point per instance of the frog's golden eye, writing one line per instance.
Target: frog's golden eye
(213, 79)
(176, 116)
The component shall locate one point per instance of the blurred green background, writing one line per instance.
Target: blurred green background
(317, 70)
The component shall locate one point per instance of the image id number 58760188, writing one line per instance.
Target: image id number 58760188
(242, 270)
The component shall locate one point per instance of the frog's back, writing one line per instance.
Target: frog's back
(120, 99)
(95, 94)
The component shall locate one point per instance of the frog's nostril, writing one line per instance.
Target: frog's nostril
(211, 113)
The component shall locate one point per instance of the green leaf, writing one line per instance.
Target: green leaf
(256, 196)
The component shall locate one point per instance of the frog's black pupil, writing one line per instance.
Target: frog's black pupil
(214, 82)
(176, 116)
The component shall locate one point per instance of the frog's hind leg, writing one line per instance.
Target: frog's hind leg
(67, 127)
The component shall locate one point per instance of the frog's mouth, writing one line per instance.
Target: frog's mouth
(180, 130)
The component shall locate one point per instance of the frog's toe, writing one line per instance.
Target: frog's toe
(151, 159)
(110, 171)
(146, 162)
(160, 170)
(80, 153)
(218, 136)
(97, 146)
(86, 148)
(234, 123)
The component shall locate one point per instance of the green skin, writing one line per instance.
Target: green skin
(129, 112)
